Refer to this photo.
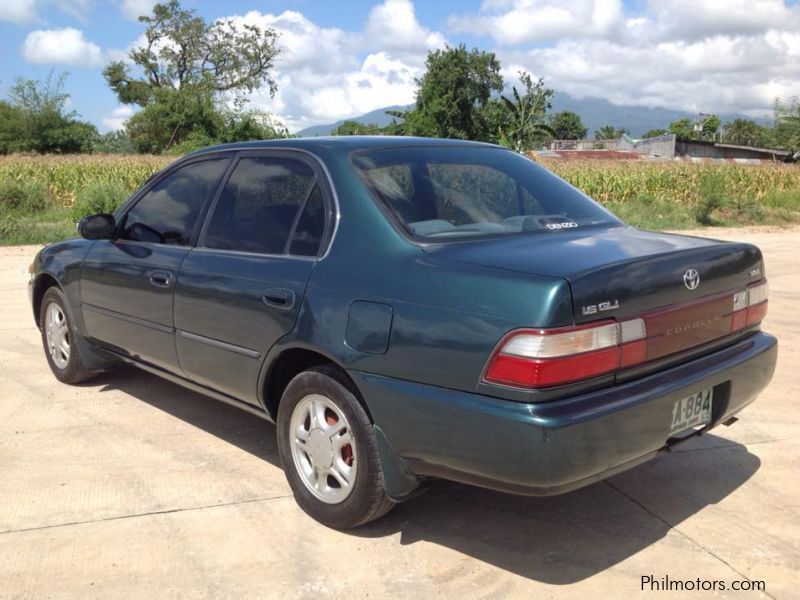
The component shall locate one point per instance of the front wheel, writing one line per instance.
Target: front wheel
(328, 451)
(58, 339)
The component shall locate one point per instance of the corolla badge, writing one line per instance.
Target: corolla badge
(691, 279)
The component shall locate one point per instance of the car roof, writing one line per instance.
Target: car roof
(343, 143)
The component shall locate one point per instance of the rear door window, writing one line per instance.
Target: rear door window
(266, 202)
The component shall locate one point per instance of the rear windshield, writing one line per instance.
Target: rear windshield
(442, 193)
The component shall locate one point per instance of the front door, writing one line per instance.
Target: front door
(128, 284)
(241, 288)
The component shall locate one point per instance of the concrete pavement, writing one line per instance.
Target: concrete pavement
(133, 487)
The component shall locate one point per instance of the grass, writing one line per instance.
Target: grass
(680, 195)
(42, 197)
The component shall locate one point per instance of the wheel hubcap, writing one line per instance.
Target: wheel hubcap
(323, 448)
(57, 335)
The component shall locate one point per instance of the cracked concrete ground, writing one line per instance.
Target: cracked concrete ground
(132, 486)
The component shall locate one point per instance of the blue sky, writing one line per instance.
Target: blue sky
(342, 59)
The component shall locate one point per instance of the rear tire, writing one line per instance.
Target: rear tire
(59, 339)
(329, 452)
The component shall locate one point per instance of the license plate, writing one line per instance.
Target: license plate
(691, 411)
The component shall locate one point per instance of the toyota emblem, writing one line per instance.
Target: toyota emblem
(691, 279)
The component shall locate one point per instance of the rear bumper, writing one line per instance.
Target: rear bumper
(551, 447)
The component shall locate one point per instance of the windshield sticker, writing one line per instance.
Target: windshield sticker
(562, 225)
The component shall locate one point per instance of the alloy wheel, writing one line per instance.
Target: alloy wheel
(323, 448)
(57, 334)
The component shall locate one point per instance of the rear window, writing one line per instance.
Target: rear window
(453, 192)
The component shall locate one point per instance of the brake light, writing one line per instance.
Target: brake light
(548, 357)
(750, 306)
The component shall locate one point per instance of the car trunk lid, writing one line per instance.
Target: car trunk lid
(682, 286)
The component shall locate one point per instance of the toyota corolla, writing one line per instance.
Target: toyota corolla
(411, 309)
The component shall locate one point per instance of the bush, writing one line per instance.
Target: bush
(712, 197)
(194, 141)
(22, 196)
(99, 197)
(9, 225)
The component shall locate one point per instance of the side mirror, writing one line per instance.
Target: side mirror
(97, 227)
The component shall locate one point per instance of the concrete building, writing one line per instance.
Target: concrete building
(664, 146)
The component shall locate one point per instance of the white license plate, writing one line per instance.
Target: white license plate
(691, 411)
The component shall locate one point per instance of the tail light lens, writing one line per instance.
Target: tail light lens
(548, 357)
(750, 306)
(538, 358)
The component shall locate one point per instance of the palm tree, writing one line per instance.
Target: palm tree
(525, 113)
(609, 132)
(743, 131)
(786, 132)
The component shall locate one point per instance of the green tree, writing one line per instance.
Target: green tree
(609, 132)
(683, 128)
(567, 125)
(114, 142)
(36, 119)
(654, 133)
(520, 120)
(186, 70)
(10, 127)
(356, 128)
(709, 127)
(453, 94)
(786, 132)
(704, 128)
(745, 132)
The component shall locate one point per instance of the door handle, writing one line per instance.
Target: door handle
(160, 278)
(279, 298)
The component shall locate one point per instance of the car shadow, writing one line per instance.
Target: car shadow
(556, 540)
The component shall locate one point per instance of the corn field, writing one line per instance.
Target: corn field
(65, 176)
(41, 197)
(624, 181)
(606, 181)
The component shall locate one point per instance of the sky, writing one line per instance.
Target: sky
(342, 59)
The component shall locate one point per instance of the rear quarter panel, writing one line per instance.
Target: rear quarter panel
(445, 320)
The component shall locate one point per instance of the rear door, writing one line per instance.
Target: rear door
(241, 288)
(127, 284)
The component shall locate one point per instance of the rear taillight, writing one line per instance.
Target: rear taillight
(534, 358)
(750, 306)
(538, 358)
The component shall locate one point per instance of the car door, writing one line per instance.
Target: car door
(128, 284)
(241, 288)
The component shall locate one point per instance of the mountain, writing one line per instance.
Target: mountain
(376, 117)
(594, 112)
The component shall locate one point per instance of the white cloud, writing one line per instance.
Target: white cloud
(718, 74)
(78, 9)
(61, 46)
(393, 26)
(696, 19)
(325, 73)
(709, 55)
(535, 21)
(24, 12)
(20, 12)
(133, 9)
(116, 120)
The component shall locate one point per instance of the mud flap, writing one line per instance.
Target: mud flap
(400, 483)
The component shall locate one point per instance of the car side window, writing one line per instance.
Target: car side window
(168, 212)
(307, 236)
(259, 205)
